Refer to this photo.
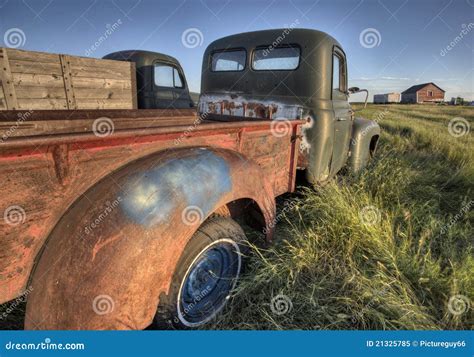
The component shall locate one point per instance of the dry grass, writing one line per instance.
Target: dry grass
(397, 271)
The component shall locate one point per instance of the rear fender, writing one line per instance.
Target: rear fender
(365, 134)
(114, 252)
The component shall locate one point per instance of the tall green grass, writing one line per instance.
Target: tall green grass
(386, 249)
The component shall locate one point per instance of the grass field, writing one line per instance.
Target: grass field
(389, 249)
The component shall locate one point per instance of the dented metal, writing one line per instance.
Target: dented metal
(130, 258)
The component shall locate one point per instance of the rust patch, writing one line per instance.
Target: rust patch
(60, 155)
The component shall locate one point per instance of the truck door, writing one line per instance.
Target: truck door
(169, 85)
(342, 111)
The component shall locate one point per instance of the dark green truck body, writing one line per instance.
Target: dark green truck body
(287, 74)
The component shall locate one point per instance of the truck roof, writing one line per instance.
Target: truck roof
(140, 57)
(307, 38)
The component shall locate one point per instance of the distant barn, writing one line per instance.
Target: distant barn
(423, 93)
(387, 98)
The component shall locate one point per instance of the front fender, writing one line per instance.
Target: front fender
(114, 252)
(365, 133)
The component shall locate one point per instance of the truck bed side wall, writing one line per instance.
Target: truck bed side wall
(41, 180)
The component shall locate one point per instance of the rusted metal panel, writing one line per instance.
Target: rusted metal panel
(43, 176)
(228, 106)
(130, 254)
(40, 115)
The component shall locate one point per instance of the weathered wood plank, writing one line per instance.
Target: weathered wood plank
(22, 55)
(82, 82)
(33, 92)
(104, 104)
(102, 93)
(7, 81)
(43, 80)
(133, 76)
(68, 84)
(101, 63)
(18, 66)
(54, 79)
(101, 72)
(3, 104)
(41, 104)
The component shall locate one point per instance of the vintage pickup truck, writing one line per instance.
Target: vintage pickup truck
(126, 219)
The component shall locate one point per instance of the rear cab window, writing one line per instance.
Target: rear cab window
(228, 60)
(167, 76)
(276, 58)
(339, 73)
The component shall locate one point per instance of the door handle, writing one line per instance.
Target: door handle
(341, 119)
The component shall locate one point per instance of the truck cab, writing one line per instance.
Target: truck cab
(286, 74)
(161, 83)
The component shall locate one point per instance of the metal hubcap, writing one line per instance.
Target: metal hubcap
(208, 282)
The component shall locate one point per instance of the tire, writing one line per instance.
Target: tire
(206, 274)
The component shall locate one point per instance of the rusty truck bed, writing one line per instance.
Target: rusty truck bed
(48, 159)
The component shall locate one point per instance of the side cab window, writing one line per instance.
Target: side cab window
(167, 76)
(339, 74)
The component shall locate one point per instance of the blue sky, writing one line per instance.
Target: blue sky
(411, 36)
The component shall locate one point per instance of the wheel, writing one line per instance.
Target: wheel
(206, 274)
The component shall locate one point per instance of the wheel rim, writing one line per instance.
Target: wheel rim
(208, 282)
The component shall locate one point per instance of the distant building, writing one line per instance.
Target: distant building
(387, 98)
(423, 93)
